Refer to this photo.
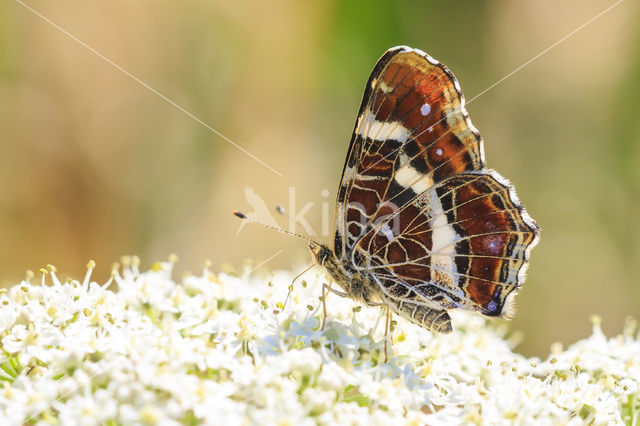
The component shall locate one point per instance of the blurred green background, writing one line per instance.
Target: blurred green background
(93, 165)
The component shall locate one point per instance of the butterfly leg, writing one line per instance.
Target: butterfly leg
(326, 287)
(386, 334)
(293, 281)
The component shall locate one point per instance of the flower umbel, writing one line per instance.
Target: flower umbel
(227, 349)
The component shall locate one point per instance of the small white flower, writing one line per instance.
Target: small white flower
(333, 377)
(229, 350)
(317, 400)
(305, 361)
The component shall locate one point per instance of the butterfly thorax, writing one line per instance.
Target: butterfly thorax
(355, 284)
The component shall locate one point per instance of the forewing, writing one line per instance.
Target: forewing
(412, 131)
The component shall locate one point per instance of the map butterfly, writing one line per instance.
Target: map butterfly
(422, 226)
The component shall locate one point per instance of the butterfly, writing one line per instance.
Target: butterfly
(422, 227)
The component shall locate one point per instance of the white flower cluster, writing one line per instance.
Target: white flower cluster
(227, 349)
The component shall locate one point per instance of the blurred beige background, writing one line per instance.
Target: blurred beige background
(93, 165)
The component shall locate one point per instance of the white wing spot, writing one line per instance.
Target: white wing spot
(444, 240)
(381, 131)
(387, 232)
(439, 151)
(430, 129)
(408, 177)
(384, 87)
(425, 109)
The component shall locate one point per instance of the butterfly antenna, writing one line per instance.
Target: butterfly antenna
(281, 210)
(274, 228)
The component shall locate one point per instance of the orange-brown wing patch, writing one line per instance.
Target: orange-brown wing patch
(412, 131)
(497, 236)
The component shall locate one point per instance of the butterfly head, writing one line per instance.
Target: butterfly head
(326, 258)
(321, 253)
(352, 283)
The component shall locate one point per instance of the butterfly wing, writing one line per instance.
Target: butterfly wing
(411, 130)
(413, 146)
